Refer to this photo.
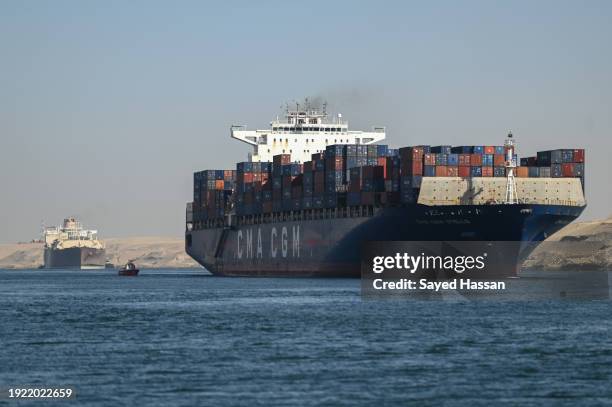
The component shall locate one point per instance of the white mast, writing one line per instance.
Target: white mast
(511, 197)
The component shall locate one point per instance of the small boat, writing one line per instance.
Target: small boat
(129, 270)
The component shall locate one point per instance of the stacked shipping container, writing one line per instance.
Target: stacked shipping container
(354, 175)
(211, 192)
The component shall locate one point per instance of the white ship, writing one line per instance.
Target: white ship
(71, 246)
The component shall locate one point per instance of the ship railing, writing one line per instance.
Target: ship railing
(288, 216)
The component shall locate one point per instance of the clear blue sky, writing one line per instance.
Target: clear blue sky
(107, 107)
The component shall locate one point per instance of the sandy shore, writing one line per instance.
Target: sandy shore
(579, 246)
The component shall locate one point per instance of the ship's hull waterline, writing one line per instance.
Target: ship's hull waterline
(330, 247)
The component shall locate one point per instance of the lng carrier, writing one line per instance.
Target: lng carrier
(71, 246)
(313, 191)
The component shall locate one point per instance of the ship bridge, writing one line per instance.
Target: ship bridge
(303, 131)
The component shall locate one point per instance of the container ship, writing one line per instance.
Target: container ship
(313, 191)
(71, 246)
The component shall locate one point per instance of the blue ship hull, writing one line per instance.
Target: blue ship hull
(327, 243)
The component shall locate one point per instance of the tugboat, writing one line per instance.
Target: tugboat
(129, 270)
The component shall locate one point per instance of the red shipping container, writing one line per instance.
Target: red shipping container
(464, 159)
(475, 160)
(499, 160)
(463, 171)
(441, 171)
(247, 177)
(382, 161)
(579, 155)
(412, 168)
(487, 171)
(429, 159)
(452, 171)
(567, 169)
(219, 184)
(522, 172)
(228, 175)
(489, 150)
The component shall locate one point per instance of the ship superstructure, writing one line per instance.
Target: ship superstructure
(305, 130)
(72, 246)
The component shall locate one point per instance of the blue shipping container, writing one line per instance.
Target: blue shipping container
(353, 198)
(441, 159)
(533, 172)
